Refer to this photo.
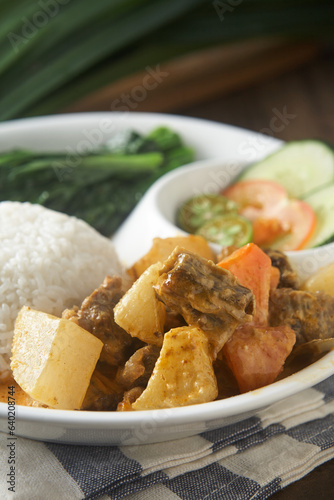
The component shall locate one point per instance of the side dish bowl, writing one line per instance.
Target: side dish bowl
(155, 215)
(222, 151)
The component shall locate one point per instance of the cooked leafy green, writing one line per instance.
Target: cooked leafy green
(100, 186)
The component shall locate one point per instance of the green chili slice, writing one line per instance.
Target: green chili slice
(200, 209)
(227, 230)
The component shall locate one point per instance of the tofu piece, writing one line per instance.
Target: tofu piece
(183, 374)
(139, 312)
(53, 358)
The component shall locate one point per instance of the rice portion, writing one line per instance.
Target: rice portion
(48, 261)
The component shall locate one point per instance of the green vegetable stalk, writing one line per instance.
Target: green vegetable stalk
(103, 186)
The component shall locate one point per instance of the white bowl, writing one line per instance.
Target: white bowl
(153, 217)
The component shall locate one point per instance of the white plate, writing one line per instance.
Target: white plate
(74, 133)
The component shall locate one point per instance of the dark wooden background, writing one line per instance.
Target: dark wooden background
(307, 92)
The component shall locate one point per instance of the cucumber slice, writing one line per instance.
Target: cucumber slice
(322, 202)
(301, 167)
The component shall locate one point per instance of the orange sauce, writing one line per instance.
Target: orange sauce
(17, 394)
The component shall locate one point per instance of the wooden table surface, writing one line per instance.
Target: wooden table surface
(307, 95)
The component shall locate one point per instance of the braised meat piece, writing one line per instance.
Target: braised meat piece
(96, 315)
(129, 398)
(288, 277)
(103, 393)
(310, 315)
(173, 320)
(205, 295)
(226, 381)
(138, 369)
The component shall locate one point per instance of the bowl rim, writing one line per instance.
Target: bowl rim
(162, 183)
(218, 409)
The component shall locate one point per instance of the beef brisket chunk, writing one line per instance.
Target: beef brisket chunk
(288, 277)
(205, 295)
(129, 398)
(104, 392)
(310, 315)
(138, 369)
(96, 315)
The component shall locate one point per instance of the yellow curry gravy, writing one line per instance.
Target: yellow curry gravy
(17, 394)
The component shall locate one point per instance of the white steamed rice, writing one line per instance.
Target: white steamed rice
(48, 261)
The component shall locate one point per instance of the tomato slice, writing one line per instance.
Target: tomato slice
(256, 197)
(288, 227)
(279, 222)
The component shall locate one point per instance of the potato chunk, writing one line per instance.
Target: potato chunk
(163, 247)
(183, 374)
(139, 312)
(322, 280)
(53, 359)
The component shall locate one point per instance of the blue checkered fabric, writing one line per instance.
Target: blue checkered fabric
(251, 459)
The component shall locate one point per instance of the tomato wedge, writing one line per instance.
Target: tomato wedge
(288, 227)
(256, 354)
(256, 197)
(279, 222)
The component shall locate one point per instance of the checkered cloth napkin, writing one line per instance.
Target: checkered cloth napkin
(249, 460)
